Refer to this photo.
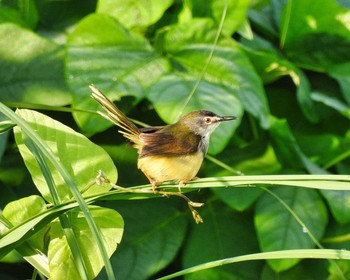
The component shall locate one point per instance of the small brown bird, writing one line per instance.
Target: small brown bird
(166, 153)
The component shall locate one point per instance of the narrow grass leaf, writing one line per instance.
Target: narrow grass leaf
(285, 254)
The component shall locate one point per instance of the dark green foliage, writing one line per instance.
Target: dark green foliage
(281, 67)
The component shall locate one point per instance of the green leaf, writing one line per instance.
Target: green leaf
(80, 156)
(307, 270)
(315, 41)
(254, 158)
(34, 72)
(168, 93)
(57, 16)
(31, 248)
(60, 259)
(45, 151)
(235, 15)
(271, 65)
(341, 72)
(16, 235)
(223, 234)
(154, 232)
(287, 149)
(30, 206)
(29, 12)
(101, 51)
(332, 102)
(324, 149)
(11, 15)
(134, 13)
(192, 50)
(267, 61)
(278, 229)
(339, 203)
(237, 198)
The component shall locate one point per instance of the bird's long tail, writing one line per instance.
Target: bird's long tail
(113, 114)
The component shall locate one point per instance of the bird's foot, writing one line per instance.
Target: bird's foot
(184, 181)
(154, 184)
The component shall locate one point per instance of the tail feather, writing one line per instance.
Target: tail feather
(113, 114)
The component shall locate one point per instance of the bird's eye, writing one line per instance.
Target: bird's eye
(207, 120)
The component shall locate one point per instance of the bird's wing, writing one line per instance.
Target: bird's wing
(160, 143)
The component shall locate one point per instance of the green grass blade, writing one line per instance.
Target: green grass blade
(286, 254)
(36, 258)
(325, 182)
(18, 234)
(67, 228)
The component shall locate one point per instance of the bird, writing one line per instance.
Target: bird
(173, 152)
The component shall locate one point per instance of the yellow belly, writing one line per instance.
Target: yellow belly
(160, 168)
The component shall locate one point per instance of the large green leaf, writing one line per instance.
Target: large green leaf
(30, 206)
(61, 262)
(223, 234)
(31, 68)
(278, 229)
(339, 203)
(271, 65)
(134, 13)
(312, 40)
(101, 51)
(170, 92)
(154, 233)
(234, 16)
(80, 156)
(190, 45)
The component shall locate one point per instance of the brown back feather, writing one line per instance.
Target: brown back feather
(164, 143)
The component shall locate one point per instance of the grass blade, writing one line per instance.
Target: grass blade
(286, 254)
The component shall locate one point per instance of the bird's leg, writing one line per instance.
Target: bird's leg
(153, 182)
(184, 181)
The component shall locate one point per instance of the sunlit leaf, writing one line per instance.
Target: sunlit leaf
(60, 259)
(81, 157)
(235, 15)
(33, 73)
(102, 52)
(29, 207)
(170, 92)
(189, 47)
(315, 41)
(134, 13)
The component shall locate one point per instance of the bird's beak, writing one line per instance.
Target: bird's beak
(226, 118)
